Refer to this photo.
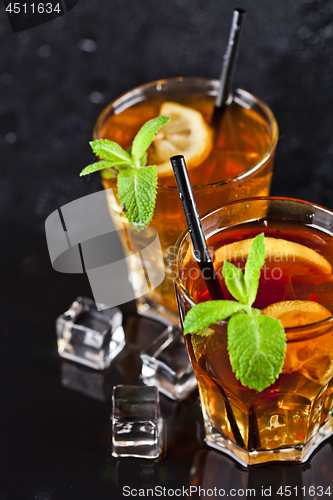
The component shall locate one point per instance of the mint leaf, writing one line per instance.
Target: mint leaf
(111, 151)
(207, 313)
(108, 174)
(94, 167)
(256, 346)
(256, 343)
(137, 193)
(234, 280)
(144, 158)
(136, 185)
(254, 263)
(144, 137)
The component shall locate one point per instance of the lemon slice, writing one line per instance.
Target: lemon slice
(185, 134)
(277, 250)
(297, 312)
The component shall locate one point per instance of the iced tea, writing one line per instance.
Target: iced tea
(239, 165)
(287, 420)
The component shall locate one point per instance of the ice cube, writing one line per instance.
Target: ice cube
(88, 336)
(137, 425)
(318, 368)
(317, 288)
(166, 365)
(313, 359)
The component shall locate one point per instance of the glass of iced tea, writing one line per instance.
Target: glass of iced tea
(290, 418)
(237, 164)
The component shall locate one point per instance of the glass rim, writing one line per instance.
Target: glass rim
(200, 80)
(293, 334)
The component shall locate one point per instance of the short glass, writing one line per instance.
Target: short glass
(240, 167)
(289, 419)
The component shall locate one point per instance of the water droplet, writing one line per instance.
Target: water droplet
(44, 51)
(304, 32)
(87, 45)
(327, 32)
(11, 137)
(96, 97)
(282, 42)
(24, 38)
(59, 23)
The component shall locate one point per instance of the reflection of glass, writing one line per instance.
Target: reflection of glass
(212, 471)
(133, 473)
(215, 472)
(239, 166)
(289, 419)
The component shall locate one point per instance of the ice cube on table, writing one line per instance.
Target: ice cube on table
(88, 336)
(166, 365)
(137, 425)
(316, 288)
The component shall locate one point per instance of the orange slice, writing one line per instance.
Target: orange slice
(187, 134)
(293, 313)
(278, 250)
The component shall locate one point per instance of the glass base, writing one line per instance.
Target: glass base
(299, 453)
(157, 312)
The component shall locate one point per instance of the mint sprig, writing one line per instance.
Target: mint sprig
(137, 193)
(256, 343)
(111, 151)
(136, 182)
(145, 136)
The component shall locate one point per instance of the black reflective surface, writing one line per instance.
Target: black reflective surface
(55, 415)
(54, 81)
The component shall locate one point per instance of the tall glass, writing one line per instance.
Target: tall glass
(289, 419)
(239, 167)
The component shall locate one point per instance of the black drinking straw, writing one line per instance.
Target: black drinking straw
(195, 229)
(228, 68)
(203, 259)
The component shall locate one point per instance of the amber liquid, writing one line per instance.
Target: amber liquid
(290, 412)
(243, 140)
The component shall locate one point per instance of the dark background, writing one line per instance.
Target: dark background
(54, 81)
